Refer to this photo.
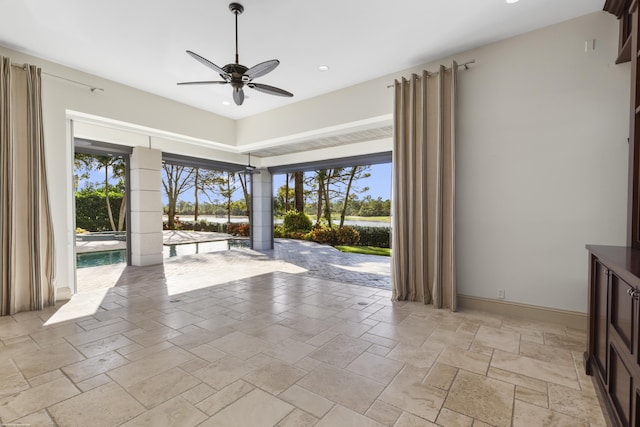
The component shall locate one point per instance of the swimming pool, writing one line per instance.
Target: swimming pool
(94, 259)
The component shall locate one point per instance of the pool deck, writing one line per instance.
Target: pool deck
(169, 237)
(288, 256)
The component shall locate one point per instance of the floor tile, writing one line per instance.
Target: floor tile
(340, 351)
(374, 367)
(409, 420)
(413, 356)
(162, 387)
(534, 397)
(527, 415)
(467, 360)
(12, 380)
(408, 393)
(96, 407)
(383, 413)
(171, 344)
(343, 387)
(38, 362)
(578, 404)
(498, 339)
(470, 394)
(241, 345)
(223, 372)
(40, 418)
(275, 377)
(448, 418)
(150, 366)
(225, 397)
(341, 416)
(35, 398)
(255, 409)
(441, 376)
(307, 401)
(93, 366)
(535, 368)
(298, 418)
(175, 412)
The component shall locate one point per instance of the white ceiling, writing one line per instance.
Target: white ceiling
(142, 43)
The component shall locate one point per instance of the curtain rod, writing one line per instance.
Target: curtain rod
(91, 87)
(465, 66)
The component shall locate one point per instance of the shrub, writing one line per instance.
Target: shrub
(334, 236)
(278, 231)
(324, 235)
(239, 229)
(379, 237)
(91, 210)
(346, 236)
(296, 221)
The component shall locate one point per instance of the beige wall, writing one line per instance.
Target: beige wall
(118, 103)
(541, 157)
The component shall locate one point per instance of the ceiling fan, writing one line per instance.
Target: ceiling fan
(237, 75)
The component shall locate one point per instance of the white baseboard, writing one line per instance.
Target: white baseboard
(572, 319)
(63, 294)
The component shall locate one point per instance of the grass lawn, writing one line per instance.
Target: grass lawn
(336, 219)
(366, 250)
(368, 218)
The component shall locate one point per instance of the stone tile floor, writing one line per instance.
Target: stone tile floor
(249, 340)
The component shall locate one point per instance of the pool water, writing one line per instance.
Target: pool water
(94, 259)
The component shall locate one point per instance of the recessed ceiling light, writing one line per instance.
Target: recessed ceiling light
(323, 67)
(512, 1)
(226, 103)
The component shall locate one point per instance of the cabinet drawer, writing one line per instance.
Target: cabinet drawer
(622, 305)
(620, 386)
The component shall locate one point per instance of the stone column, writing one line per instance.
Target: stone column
(262, 211)
(146, 206)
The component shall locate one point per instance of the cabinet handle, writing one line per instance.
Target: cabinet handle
(635, 294)
(630, 292)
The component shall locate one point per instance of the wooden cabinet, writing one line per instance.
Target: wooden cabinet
(613, 351)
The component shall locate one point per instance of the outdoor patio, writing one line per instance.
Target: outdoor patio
(292, 256)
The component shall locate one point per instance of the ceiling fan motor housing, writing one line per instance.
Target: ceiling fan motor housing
(236, 8)
(236, 71)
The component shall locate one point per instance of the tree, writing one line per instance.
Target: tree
(203, 181)
(85, 163)
(356, 173)
(226, 187)
(177, 179)
(244, 179)
(298, 179)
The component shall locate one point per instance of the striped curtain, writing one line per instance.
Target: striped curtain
(26, 234)
(423, 262)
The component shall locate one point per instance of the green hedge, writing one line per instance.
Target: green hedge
(296, 221)
(379, 237)
(91, 211)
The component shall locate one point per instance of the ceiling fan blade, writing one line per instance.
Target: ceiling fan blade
(216, 82)
(262, 68)
(238, 96)
(271, 90)
(208, 63)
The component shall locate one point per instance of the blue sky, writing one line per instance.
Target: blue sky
(379, 183)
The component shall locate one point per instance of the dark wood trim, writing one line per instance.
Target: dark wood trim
(633, 204)
(617, 7)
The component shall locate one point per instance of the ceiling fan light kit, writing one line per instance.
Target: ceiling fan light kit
(236, 74)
